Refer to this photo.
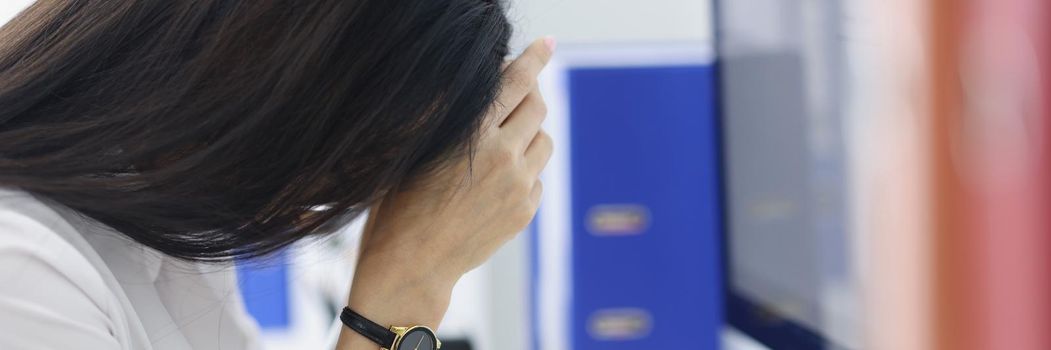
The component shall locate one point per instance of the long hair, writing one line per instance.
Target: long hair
(215, 129)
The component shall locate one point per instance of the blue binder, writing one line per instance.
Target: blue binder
(645, 202)
(264, 287)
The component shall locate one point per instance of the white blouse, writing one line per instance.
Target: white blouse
(67, 282)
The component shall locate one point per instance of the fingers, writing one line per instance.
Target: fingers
(526, 119)
(520, 77)
(539, 152)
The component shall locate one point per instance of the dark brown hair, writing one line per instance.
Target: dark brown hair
(220, 128)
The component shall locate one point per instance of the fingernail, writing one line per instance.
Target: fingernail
(551, 43)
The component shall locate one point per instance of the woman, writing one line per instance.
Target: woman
(145, 144)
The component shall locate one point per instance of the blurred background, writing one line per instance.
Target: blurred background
(756, 174)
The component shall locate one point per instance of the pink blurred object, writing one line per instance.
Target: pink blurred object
(999, 147)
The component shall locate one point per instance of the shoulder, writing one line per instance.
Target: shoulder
(49, 284)
(32, 233)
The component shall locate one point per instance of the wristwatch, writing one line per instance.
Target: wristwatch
(393, 338)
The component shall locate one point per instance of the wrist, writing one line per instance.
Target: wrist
(391, 292)
(411, 289)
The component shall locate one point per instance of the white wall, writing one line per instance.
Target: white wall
(580, 21)
(612, 21)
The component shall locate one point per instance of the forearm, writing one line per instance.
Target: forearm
(396, 289)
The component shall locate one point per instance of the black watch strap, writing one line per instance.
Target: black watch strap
(376, 333)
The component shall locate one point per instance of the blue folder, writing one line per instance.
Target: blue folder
(644, 164)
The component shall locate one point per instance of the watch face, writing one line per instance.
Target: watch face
(418, 339)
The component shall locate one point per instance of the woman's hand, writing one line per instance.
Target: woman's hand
(422, 239)
(456, 218)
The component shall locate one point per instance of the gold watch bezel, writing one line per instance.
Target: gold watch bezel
(401, 331)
